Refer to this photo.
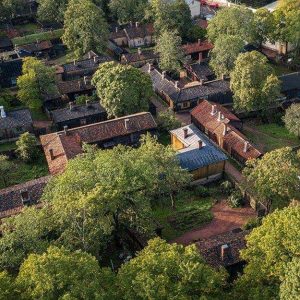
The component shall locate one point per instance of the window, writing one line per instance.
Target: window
(25, 197)
(83, 122)
(185, 104)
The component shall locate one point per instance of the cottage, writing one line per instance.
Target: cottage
(14, 123)
(199, 71)
(61, 146)
(10, 70)
(197, 154)
(182, 95)
(222, 127)
(13, 199)
(290, 85)
(139, 35)
(140, 58)
(197, 51)
(119, 37)
(39, 49)
(78, 115)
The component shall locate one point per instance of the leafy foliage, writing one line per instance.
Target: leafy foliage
(253, 83)
(6, 166)
(292, 119)
(7, 287)
(52, 10)
(236, 199)
(27, 147)
(166, 120)
(122, 90)
(85, 28)
(164, 271)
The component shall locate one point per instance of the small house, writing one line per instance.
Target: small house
(14, 123)
(139, 35)
(197, 154)
(38, 49)
(199, 71)
(140, 58)
(198, 51)
(10, 70)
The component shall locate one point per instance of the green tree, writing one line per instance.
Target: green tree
(275, 177)
(170, 52)
(128, 10)
(234, 20)
(270, 249)
(169, 271)
(61, 274)
(6, 168)
(122, 89)
(196, 33)
(166, 120)
(85, 28)
(21, 235)
(253, 83)
(27, 147)
(292, 119)
(10, 8)
(264, 24)
(225, 53)
(7, 287)
(36, 81)
(52, 10)
(290, 286)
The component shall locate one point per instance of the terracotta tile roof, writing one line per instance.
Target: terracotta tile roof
(233, 138)
(66, 146)
(11, 198)
(197, 47)
(36, 47)
(211, 248)
(202, 23)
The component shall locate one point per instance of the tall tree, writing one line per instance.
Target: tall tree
(10, 8)
(122, 89)
(292, 119)
(36, 81)
(234, 20)
(128, 10)
(8, 289)
(270, 249)
(253, 83)
(170, 52)
(225, 53)
(164, 271)
(61, 274)
(6, 168)
(275, 177)
(85, 28)
(27, 147)
(52, 10)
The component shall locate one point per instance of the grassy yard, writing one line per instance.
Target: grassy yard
(38, 115)
(24, 172)
(271, 136)
(7, 146)
(191, 211)
(164, 138)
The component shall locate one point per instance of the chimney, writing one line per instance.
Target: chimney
(199, 42)
(71, 105)
(117, 29)
(74, 62)
(213, 110)
(51, 154)
(85, 79)
(2, 112)
(200, 144)
(176, 85)
(201, 81)
(131, 24)
(136, 24)
(87, 102)
(66, 129)
(223, 76)
(163, 74)
(140, 51)
(90, 55)
(225, 252)
(95, 59)
(127, 124)
(149, 68)
(246, 144)
(185, 133)
(219, 116)
(225, 129)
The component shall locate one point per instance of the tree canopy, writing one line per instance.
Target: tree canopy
(85, 28)
(253, 83)
(52, 10)
(26, 147)
(170, 52)
(275, 177)
(225, 53)
(169, 271)
(122, 89)
(37, 80)
(61, 274)
(292, 119)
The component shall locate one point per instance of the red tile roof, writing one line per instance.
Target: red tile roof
(202, 23)
(233, 138)
(197, 47)
(67, 146)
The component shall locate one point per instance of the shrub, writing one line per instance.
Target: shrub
(202, 191)
(235, 199)
(252, 223)
(166, 121)
(226, 187)
(27, 147)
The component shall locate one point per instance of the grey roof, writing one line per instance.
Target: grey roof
(290, 81)
(143, 56)
(196, 91)
(193, 158)
(202, 70)
(11, 68)
(16, 118)
(78, 111)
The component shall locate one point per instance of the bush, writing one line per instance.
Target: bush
(27, 147)
(166, 121)
(202, 191)
(226, 187)
(236, 199)
(252, 223)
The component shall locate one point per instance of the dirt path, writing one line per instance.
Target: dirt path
(225, 219)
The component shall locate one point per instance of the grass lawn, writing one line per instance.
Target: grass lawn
(7, 146)
(29, 28)
(271, 136)
(164, 138)
(24, 172)
(38, 115)
(191, 211)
